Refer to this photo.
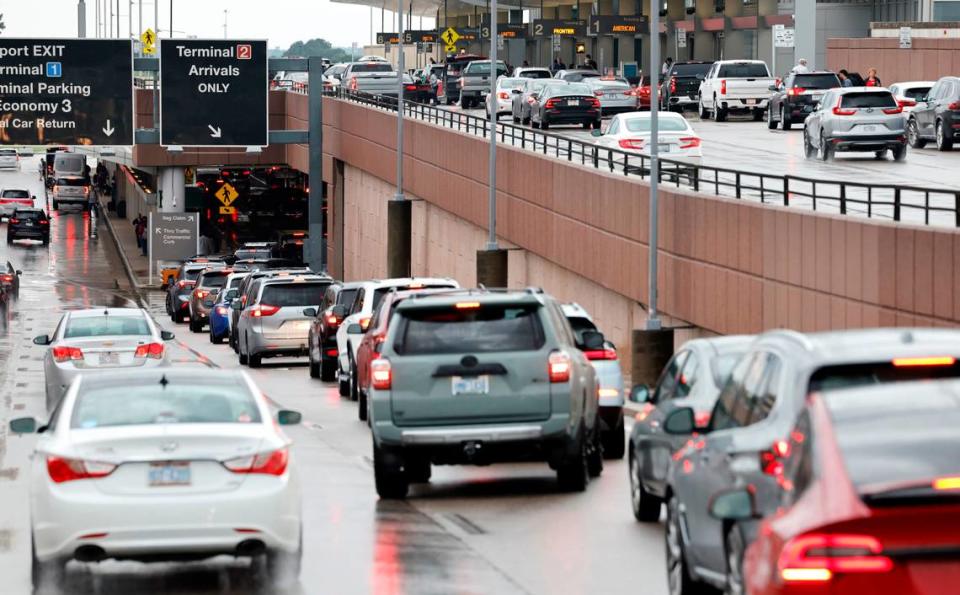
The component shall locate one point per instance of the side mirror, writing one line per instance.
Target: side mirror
(593, 340)
(310, 312)
(286, 417)
(21, 272)
(339, 311)
(596, 133)
(41, 340)
(236, 305)
(23, 425)
(738, 504)
(680, 421)
(354, 329)
(167, 335)
(640, 393)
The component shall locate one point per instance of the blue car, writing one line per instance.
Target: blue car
(220, 315)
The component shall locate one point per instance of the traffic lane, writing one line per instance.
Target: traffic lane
(502, 528)
(79, 269)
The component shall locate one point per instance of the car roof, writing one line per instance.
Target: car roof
(864, 345)
(396, 281)
(915, 84)
(575, 310)
(451, 298)
(94, 312)
(854, 90)
(301, 278)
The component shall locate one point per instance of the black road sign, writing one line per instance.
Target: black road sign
(213, 93)
(551, 27)
(419, 36)
(66, 91)
(616, 25)
(388, 38)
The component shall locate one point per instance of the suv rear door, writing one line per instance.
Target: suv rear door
(470, 362)
(282, 304)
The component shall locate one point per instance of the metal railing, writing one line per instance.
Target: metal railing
(913, 204)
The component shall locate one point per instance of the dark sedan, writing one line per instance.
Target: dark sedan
(565, 104)
(28, 224)
(10, 280)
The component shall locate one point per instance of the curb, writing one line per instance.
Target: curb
(131, 276)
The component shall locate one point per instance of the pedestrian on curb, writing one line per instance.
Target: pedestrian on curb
(872, 79)
(139, 228)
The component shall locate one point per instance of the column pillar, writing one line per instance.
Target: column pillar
(805, 18)
(170, 189)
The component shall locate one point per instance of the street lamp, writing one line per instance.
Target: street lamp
(653, 317)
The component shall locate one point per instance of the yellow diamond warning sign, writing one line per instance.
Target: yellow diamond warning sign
(227, 194)
(450, 36)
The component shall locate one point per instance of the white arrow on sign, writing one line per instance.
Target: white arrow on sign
(158, 229)
(108, 130)
(214, 132)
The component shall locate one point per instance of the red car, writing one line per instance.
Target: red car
(870, 497)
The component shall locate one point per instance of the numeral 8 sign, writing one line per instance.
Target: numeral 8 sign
(244, 51)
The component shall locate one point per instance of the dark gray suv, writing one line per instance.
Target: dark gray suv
(480, 377)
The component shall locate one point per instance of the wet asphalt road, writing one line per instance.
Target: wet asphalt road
(499, 529)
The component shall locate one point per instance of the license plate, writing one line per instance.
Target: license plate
(475, 385)
(109, 357)
(663, 148)
(750, 101)
(168, 474)
(29, 224)
(573, 102)
(300, 325)
(868, 128)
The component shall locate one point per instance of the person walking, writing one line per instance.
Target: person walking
(555, 66)
(139, 228)
(801, 67)
(872, 79)
(665, 68)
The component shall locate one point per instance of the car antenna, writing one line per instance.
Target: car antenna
(163, 381)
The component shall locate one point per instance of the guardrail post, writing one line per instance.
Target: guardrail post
(813, 195)
(786, 191)
(896, 204)
(843, 199)
(696, 179)
(956, 209)
(738, 184)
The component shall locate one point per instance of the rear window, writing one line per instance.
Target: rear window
(293, 294)
(191, 274)
(916, 93)
(885, 437)
(31, 215)
(744, 70)
(881, 99)
(8, 152)
(690, 69)
(213, 280)
(816, 81)
(665, 124)
(379, 293)
(69, 163)
(535, 74)
(564, 90)
(510, 83)
(372, 67)
(346, 296)
(484, 68)
(156, 404)
(236, 281)
(484, 330)
(107, 325)
(854, 375)
(579, 326)
(15, 194)
(71, 182)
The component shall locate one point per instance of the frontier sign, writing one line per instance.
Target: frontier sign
(66, 91)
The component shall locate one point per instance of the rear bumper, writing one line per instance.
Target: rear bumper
(571, 118)
(867, 143)
(743, 104)
(259, 344)
(28, 233)
(617, 109)
(682, 100)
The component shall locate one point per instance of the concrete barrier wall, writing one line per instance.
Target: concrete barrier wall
(928, 59)
(725, 266)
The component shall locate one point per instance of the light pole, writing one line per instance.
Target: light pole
(399, 209)
(399, 194)
(81, 19)
(224, 23)
(653, 317)
(492, 174)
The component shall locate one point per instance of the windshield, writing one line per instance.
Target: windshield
(690, 69)
(666, 124)
(743, 70)
(487, 329)
(293, 294)
(157, 404)
(816, 81)
(107, 325)
(881, 99)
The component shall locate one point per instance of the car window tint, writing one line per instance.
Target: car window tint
(213, 281)
(691, 69)
(371, 67)
(743, 70)
(722, 417)
(31, 215)
(799, 464)
(666, 124)
(750, 390)
(668, 378)
(579, 325)
(816, 81)
(916, 93)
(536, 74)
(346, 297)
(107, 325)
(70, 182)
(357, 304)
(293, 294)
(852, 375)
(236, 281)
(156, 404)
(16, 194)
(766, 398)
(489, 328)
(880, 99)
(688, 376)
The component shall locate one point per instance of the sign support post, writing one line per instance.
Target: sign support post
(653, 317)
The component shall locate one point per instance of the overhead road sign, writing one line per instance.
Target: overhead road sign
(174, 236)
(550, 27)
(213, 93)
(388, 38)
(420, 36)
(504, 30)
(66, 91)
(616, 25)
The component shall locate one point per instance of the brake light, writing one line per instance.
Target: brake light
(184, 283)
(947, 483)
(64, 354)
(266, 463)
(151, 350)
(200, 293)
(86, 190)
(262, 310)
(837, 111)
(631, 143)
(723, 87)
(771, 461)
(503, 95)
(381, 374)
(221, 310)
(817, 557)
(689, 142)
(796, 91)
(410, 87)
(701, 419)
(954, 106)
(44, 222)
(594, 102)
(910, 362)
(644, 91)
(601, 354)
(558, 367)
(906, 102)
(353, 84)
(894, 110)
(365, 323)
(550, 104)
(6, 278)
(467, 305)
(14, 220)
(61, 469)
(332, 320)
(673, 84)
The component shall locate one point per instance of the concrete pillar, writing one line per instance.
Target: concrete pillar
(170, 190)
(398, 238)
(492, 268)
(805, 17)
(651, 352)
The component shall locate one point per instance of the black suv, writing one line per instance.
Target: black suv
(322, 339)
(744, 442)
(937, 117)
(28, 224)
(796, 97)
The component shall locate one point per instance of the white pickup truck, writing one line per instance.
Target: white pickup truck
(735, 86)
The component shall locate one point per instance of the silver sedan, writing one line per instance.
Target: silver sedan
(97, 339)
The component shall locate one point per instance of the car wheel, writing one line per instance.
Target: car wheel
(41, 573)
(9, 239)
(344, 384)
(167, 304)
(734, 551)
(283, 568)
(516, 120)
(719, 115)
(256, 360)
(361, 405)
(214, 338)
(573, 475)
(823, 151)
(944, 136)
(771, 123)
(389, 477)
(758, 114)
(328, 369)
(595, 453)
(354, 385)
(241, 355)
(913, 135)
(807, 147)
(646, 506)
(56, 205)
(900, 153)
(179, 317)
(702, 111)
(597, 124)
(46, 241)
(785, 122)
(314, 368)
(418, 471)
(586, 125)
(615, 442)
(195, 327)
(678, 576)
(534, 123)
(544, 125)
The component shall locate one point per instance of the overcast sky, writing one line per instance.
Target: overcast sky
(280, 21)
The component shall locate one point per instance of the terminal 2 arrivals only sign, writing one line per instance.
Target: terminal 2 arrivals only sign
(213, 93)
(66, 91)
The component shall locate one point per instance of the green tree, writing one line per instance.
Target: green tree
(317, 47)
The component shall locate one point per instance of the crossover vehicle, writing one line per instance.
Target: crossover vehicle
(937, 117)
(322, 338)
(9, 159)
(865, 119)
(14, 198)
(28, 224)
(576, 75)
(74, 190)
(163, 465)
(481, 377)
(796, 97)
(615, 94)
(247, 291)
(502, 100)
(220, 308)
(180, 287)
(565, 104)
(208, 285)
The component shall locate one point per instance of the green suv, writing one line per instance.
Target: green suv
(478, 377)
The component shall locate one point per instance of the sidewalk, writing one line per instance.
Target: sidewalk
(133, 258)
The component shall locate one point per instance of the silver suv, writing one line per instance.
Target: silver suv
(856, 119)
(273, 323)
(480, 377)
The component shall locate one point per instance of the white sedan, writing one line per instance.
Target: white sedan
(174, 464)
(909, 94)
(631, 132)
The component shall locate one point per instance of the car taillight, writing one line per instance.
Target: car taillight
(266, 463)
(631, 143)
(598, 93)
(550, 104)
(263, 310)
(913, 362)
(906, 102)
(601, 354)
(332, 320)
(503, 95)
(62, 469)
(558, 367)
(771, 460)
(44, 222)
(365, 322)
(817, 557)
(410, 87)
(673, 84)
(86, 189)
(6, 278)
(689, 142)
(200, 293)
(723, 87)
(14, 220)
(643, 91)
(184, 283)
(838, 111)
(353, 84)
(594, 102)
(221, 310)
(954, 106)
(63, 354)
(151, 350)
(894, 110)
(381, 374)
(796, 91)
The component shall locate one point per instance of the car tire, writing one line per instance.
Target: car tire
(328, 369)
(823, 151)
(46, 241)
(56, 206)
(913, 135)
(702, 111)
(419, 471)
(719, 115)
(733, 549)
(344, 384)
(808, 151)
(241, 356)
(544, 125)
(771, 123)
(9, 239)
(646, 507)
(283, 568)
(785, 122)
(597, 124)
(45, 573)
(215, 339)
(595, 453)
(516, 120)
(167, 304)
(587, 125)
(361, 405)
(679, 581)
(354, 387)
(615, 442)
(178, 317)
(758, 114)
(255, 359)
(944, 136)
(572, 474)
(900, 153)
(195, 327)
(314, 369)
(390, 480)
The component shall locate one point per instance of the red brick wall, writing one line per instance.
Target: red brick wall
(928, 59)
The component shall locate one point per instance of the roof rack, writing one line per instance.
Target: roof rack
(481, 289)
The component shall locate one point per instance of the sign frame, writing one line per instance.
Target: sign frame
(579, 28)
(266, 103)
(152, 232)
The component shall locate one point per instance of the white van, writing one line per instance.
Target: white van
(68, 164)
